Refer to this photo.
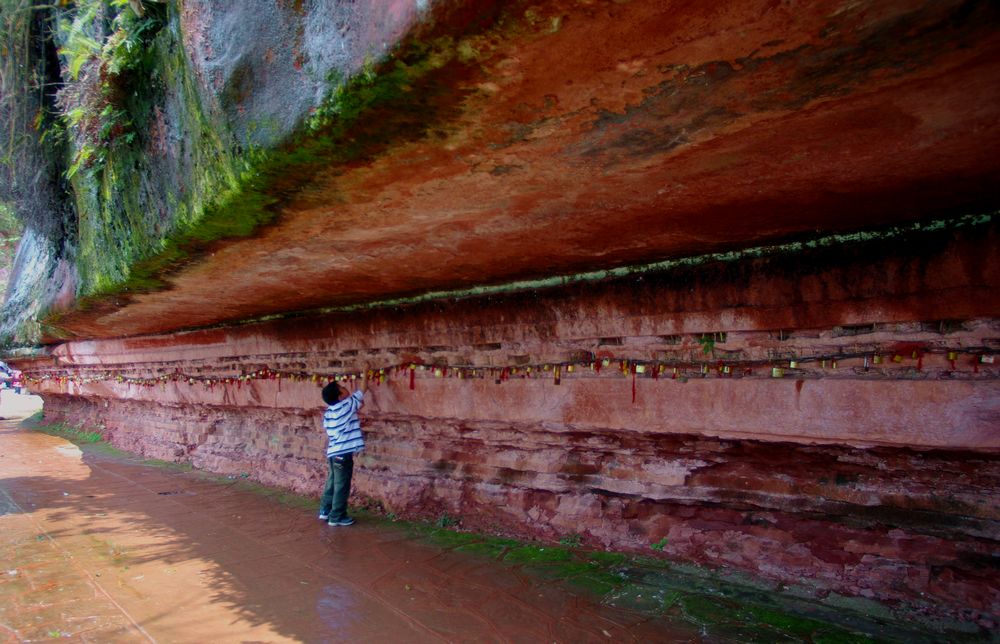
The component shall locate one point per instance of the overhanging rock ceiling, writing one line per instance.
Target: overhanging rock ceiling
(600, 134)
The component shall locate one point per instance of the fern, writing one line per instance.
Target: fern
(79, 47)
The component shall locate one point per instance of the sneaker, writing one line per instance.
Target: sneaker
(323, 516)
(342, 521)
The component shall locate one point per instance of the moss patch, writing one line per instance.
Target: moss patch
(76, 434)
(537, 555)
(124, 249)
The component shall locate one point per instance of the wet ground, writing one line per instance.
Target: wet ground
(105, 548)
(100, 546)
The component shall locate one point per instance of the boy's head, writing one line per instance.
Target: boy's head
(332, 393)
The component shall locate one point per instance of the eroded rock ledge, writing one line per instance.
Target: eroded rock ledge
(874, 477)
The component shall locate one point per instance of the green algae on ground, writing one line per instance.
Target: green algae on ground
(492, 547)
(724, 605)
(75, 434)
(537, 555)
(796, 625)
(91, 441)
(450, 538)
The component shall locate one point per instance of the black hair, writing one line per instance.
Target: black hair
(331, 393)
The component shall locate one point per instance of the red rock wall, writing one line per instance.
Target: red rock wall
(894, 524)
(875, 478)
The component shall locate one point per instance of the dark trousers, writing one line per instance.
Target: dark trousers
(338, 486)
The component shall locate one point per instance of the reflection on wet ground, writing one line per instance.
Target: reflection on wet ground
(106, 548)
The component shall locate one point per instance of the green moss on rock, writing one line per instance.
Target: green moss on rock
(141, 217)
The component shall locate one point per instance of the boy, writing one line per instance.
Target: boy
(344, 431)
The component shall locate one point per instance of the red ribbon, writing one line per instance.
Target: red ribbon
(633, 384)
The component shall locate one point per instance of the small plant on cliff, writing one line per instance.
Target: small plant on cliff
(96, 106)
(446, 521)
(571, 540)
(707, 341)
(659, 545)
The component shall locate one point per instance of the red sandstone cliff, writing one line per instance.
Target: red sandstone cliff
(701, 347)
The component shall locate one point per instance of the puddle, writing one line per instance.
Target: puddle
(69, 450)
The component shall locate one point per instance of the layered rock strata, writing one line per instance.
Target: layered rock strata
(820, 418)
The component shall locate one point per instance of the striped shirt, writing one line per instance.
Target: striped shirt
(343, 427)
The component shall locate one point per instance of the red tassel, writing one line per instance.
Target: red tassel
(412, 377)
(633, 384)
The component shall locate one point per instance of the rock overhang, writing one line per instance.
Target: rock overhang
(574, 136)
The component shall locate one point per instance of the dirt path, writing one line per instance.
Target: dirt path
(104, 548)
